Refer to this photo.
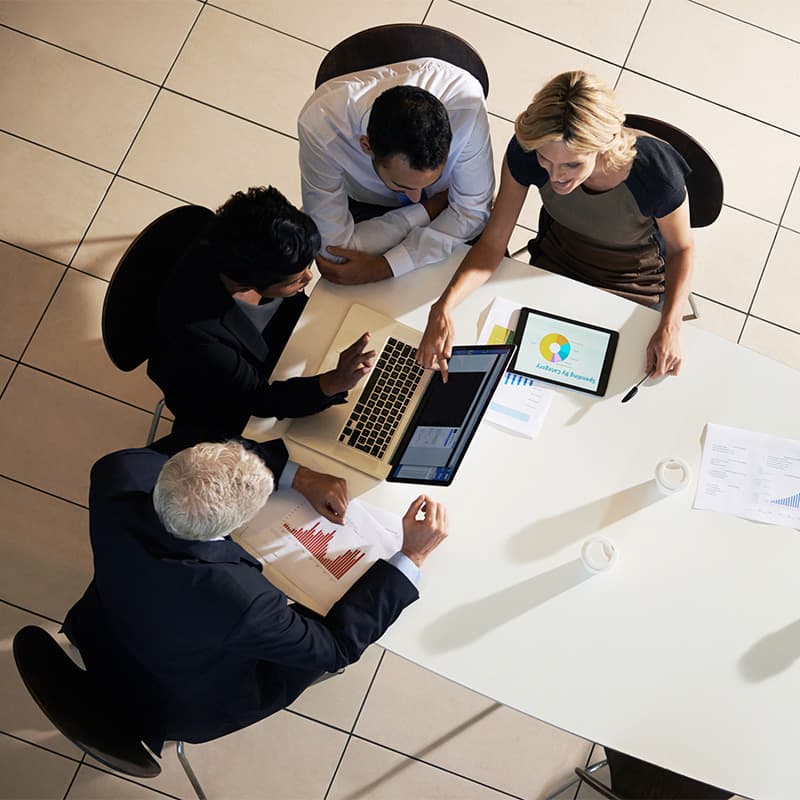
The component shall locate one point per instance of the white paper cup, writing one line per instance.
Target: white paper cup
(598, 554)
(672, 475)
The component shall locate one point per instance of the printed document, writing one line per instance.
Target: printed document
(520, 403)
(751, 475)
(312, 560)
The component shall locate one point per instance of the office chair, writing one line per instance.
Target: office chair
(633, 779)
(703, 184)
(129, 309)
(388, 44)
(69, 698)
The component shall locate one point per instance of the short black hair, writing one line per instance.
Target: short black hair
(259, 238)
(408, 121)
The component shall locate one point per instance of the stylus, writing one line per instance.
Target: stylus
(632, 393)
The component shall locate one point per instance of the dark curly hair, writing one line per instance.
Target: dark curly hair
(408, 121)
(259, 238)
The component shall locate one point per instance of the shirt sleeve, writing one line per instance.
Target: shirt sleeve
(523, 165)
(657, 179)
(402, 562)
(287, 476)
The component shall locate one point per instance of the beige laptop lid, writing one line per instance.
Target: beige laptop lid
(321, 431)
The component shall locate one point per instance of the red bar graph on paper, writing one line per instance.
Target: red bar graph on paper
(316, 542)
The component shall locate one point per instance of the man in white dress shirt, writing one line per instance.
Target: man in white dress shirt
(396, 167)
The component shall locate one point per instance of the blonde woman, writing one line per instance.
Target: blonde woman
(615, 213)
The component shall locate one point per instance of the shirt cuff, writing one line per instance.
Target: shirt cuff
(402, 562)
(287, 476)
(400, 261)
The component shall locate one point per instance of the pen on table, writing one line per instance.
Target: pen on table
(632, 393)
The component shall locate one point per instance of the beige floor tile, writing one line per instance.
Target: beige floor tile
(718, 319)
(519, 240)
(82, 109)
(142, 38)
(513, 81)
(728, 136)
(19, 715)
(608, 35)
(202, 155)
(127, 209)
(776, 299)
(53, 432)
(730, 257)
(94, 784)
(791, 219)
(781, 17)
(465, 732)
(501, 132)
(337, 701)
(6, 368)
(283, 756)
(47, 562)
(69, 343)
(247, 69)
(772, 341)
(746, 69)
(369, 772)
(47, 200)
(325, 23)
(29, 772)
(28, 283)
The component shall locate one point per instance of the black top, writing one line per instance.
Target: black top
(657, 179)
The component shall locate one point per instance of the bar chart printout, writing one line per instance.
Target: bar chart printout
(311, 559)
(751, 475)
(316, 541)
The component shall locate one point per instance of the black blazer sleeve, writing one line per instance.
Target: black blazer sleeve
(290, 636)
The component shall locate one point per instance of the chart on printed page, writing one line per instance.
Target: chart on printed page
(751, 475)
(322, 559)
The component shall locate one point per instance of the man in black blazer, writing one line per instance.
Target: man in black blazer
(225, 315)
(180, 622)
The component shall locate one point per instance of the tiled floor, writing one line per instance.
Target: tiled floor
(113, 112)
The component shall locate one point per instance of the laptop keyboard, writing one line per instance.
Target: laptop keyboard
(384, 399)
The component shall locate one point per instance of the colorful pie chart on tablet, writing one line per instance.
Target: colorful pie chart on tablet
(554, 347)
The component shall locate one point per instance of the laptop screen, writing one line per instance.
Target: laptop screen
(448, 415)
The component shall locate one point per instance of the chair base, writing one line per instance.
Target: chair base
(187, 768)
(154, 422)
(576, 780)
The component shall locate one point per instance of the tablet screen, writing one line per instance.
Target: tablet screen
(563, 351)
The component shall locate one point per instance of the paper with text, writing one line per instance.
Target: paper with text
(519, 403)
(751, 475)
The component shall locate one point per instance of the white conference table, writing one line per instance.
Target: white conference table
(684, 653)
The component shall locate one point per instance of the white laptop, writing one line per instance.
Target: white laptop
(403, 423)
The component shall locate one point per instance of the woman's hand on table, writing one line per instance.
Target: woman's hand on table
(664, 350)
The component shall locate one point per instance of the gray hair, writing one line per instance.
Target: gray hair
(209, 490)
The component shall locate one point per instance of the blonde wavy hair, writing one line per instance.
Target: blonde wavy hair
(577, 108)
(210, 490)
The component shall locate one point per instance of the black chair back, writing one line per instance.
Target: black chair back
(388, 44)
(704, 183)
(68, 697)
(129, 310)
